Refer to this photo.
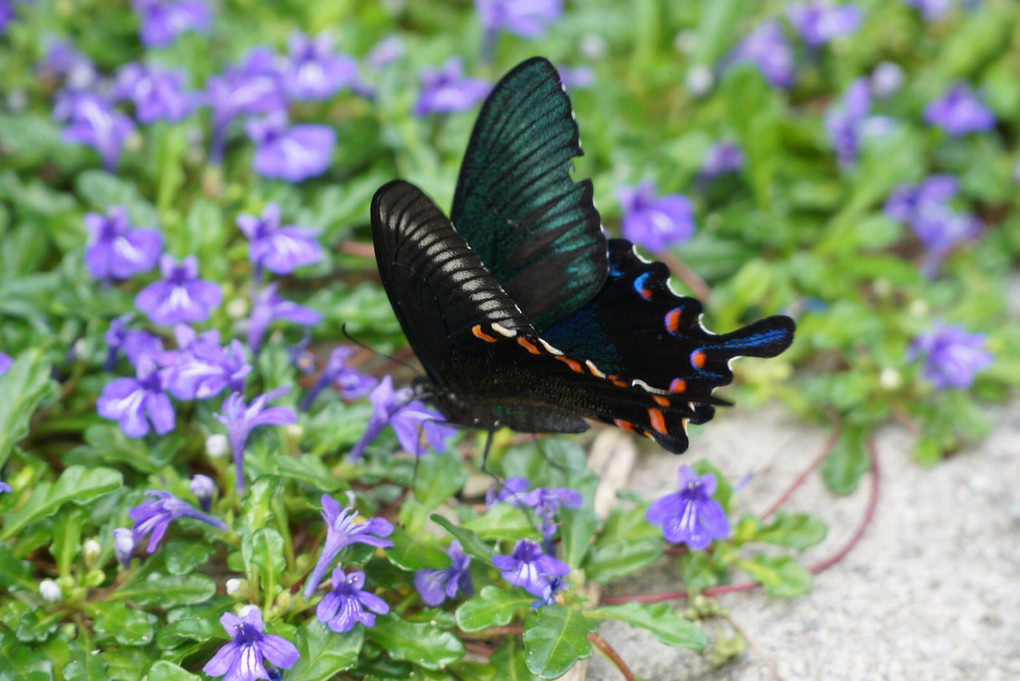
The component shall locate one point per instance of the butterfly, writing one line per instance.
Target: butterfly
(523, 313)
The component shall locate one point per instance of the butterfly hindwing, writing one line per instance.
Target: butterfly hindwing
(535, 228)
(637, 327)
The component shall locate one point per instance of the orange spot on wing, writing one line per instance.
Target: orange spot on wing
(572, 363)
(678, 385)
(477, 332)
(661, 400)
(530, 347)
(626, 425)
(697, 359)
(657, 420)
(673, 320)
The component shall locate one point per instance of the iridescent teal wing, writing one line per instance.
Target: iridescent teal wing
(534, 228)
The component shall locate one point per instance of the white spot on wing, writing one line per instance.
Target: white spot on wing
(502, 330)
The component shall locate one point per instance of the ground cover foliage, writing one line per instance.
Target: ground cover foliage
(203, 477)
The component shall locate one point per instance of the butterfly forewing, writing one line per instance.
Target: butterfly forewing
(534, 227)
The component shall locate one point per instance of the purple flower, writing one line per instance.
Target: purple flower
(546, 502)
(278, 249)
(844, 121)
(5, 363)
(818, 22)
(164, 20)
(292, 153)
(931, 10)
(115, 250)
(952, 357)
(548, 597)
(4, 487)
(350, 383)
(158, 94)
(180, 296)
(152, 517)
(886, 79)
(908, 203)
(510, 491)
(526, 18)
(314, 70)
(255, 87)
(95, 123)
(267, 307)
(414, 424)
(6, 13)
(935, 223)
(578, 78)
(654, 222)
(344, 529)
(766, 47)
(721, 159)
(242, 658)
(204, 488)
(529, 567)
(134, 342)
(134, 402)
(240, 419)
(385, 52)
(435, 586)
(61, 60)
(690, 516)
(447, 91)
(123, 546)
(201, 368)
(959, 111)
(345, 605)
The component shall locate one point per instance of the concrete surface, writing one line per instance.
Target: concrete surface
(932, 590)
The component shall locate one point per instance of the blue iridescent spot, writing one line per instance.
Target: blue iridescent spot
(639, 286)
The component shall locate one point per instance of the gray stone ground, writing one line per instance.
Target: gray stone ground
(930, 592)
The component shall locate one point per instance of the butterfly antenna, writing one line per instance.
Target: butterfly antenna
(366, 346)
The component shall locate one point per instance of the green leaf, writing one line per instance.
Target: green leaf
(76, 484)
(577, 527)
(25, 384)
(469, 540)
(84, 665)
(699, 571)
(325, 654)
(795, 530)
(127, 626)
(104, 191)
(412, 555)
(38, 624)
(504, 521)
(114, 447)
(492, 607)
(19, 662)
(162, 670)
(15, 572)
(167, 591)
(264, 560)
(509, 660)
(306, 468)
(658, 618)
(847, 462)
(780, 575)
(183, 555)
(606, 563)
(421, 643)
(555, 637)
(438, 478)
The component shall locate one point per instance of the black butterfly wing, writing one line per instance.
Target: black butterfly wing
(637, 327)
(443, 296)
(535, 228)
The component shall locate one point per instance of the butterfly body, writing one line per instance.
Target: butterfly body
(525, 315)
